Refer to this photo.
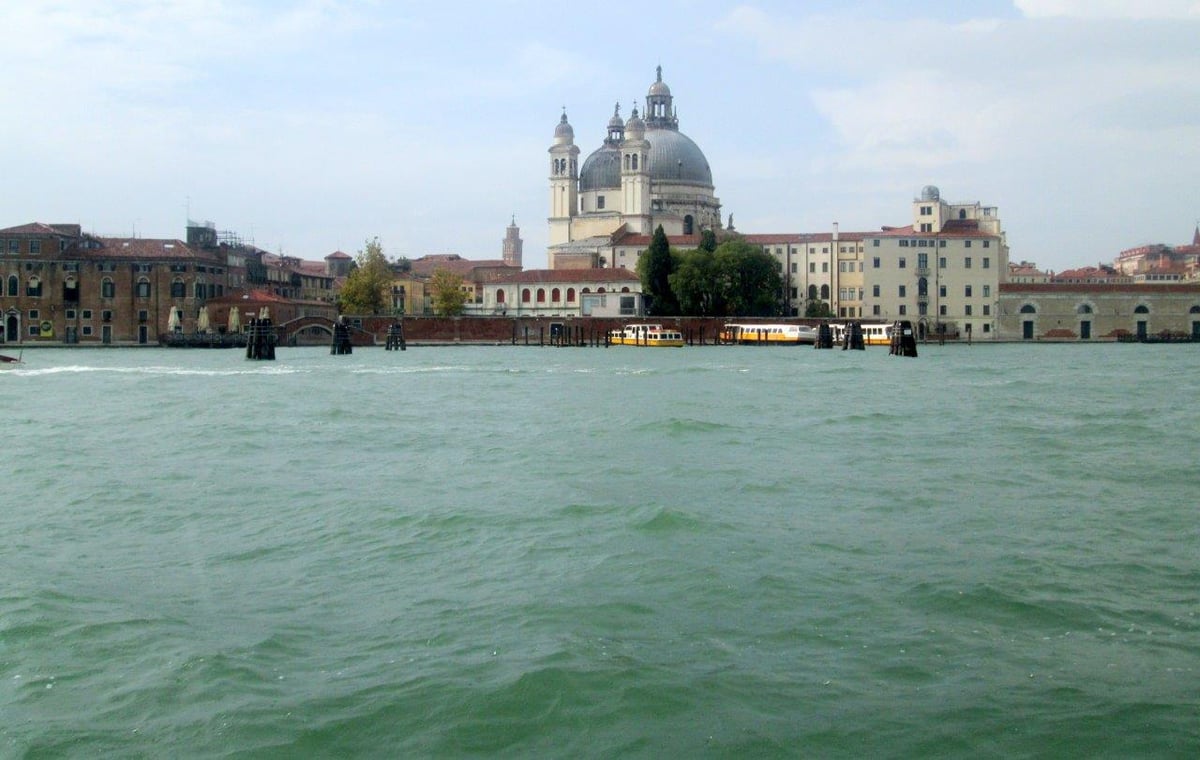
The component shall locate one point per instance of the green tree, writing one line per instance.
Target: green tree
(448, 294)
(694, 284)
(366, 288)
(818, 310)
(655, 269)
(708, 240)
(749, 278)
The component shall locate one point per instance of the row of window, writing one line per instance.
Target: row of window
(923, 243)
(13, 246)
(923, 290)
(108, 288)
(555, 294)
(923, 262)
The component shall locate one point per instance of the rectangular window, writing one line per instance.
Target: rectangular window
(824, 266)
(987, 327)
(875, 242)
(35, 246)
(967, 310)
(926, 210)
(875, 291)
(70, 313)
(967, 262)
(987, 262)
(14, 246)
(875, 262)
(942, 310)
(941, 262)
(87, 329)
(902, 291)
(987, 244)
(87, 314)
(903, 263)
(34, 314)
(922, 260)
(34, 331)
(941, 291)
(812, 267)
(941, 244)
(106, 315)
(966, 244)
(903, 243)
(967, 291)
(875, 310)
(987, 291)
(599, 201)
(987, 310)
(903, 309)
(795, 267)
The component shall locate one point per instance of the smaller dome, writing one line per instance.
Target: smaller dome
(635, 127)
(659, 87)
(930, 193)
(616, 122)
(563, 133)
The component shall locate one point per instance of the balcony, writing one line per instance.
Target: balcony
(922, 271)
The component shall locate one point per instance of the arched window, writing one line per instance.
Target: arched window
(585, 291)
(107, 288)
(625, 289)
(1194, 310)
(1142, 309)
(202, 290)
(555, 295)
(600, 290)
(635, 162)
(178, 289)
(33, 288)
(812, 292)
(1083, 308)
(689, 225)
(825, 292)
(143, 287)
(500, 295)
(14, 285)
(570, 295)
(541, 295)
(627, 162)
(1028, 309)
(526, 295)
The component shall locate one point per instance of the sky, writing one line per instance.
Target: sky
(309, 126)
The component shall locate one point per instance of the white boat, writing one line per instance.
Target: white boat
(874, 333)
(767, 334)
(646, 335)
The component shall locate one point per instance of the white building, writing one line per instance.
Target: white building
(645, 174)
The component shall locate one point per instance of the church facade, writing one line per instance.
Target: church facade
(646, 173)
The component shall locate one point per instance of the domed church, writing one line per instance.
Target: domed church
(646, 173)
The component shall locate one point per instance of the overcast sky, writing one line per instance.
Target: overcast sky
(309, 126)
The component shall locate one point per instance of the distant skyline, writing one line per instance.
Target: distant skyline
(311, 126)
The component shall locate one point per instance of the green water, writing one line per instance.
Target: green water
(990, 551)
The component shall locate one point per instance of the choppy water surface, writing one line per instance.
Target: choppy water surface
(990, 551)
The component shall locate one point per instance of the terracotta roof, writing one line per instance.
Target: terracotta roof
(956, 228)
(1097, 287)
(40, 228)
(536, 276)
(144, 248)
(427, 265)
(339, 255)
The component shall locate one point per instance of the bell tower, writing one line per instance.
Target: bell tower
(564, 181)
(635, 176)
(513, 244)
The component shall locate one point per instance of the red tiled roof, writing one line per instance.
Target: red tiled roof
(40, 228)
(537, 276)
(1097, 287)
(427, 265)
(144, 248)
(339, 255)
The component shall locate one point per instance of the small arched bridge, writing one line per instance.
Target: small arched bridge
(288, 333)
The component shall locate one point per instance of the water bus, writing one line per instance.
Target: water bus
(646, 335)
(874, 333)
(768, 334)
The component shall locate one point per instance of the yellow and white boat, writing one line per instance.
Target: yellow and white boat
(874, 333)
(646, 335)
(768, 334)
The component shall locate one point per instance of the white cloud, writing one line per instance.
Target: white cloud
(1110, 9)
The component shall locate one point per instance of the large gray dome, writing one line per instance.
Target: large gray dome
(601, 170)
(674, 157)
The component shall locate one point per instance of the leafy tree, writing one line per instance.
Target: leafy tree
(750, 279)
(655, 269)
(366, 288)
(708, 240)
(448, 294)
(694, 284)
(818, 309)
